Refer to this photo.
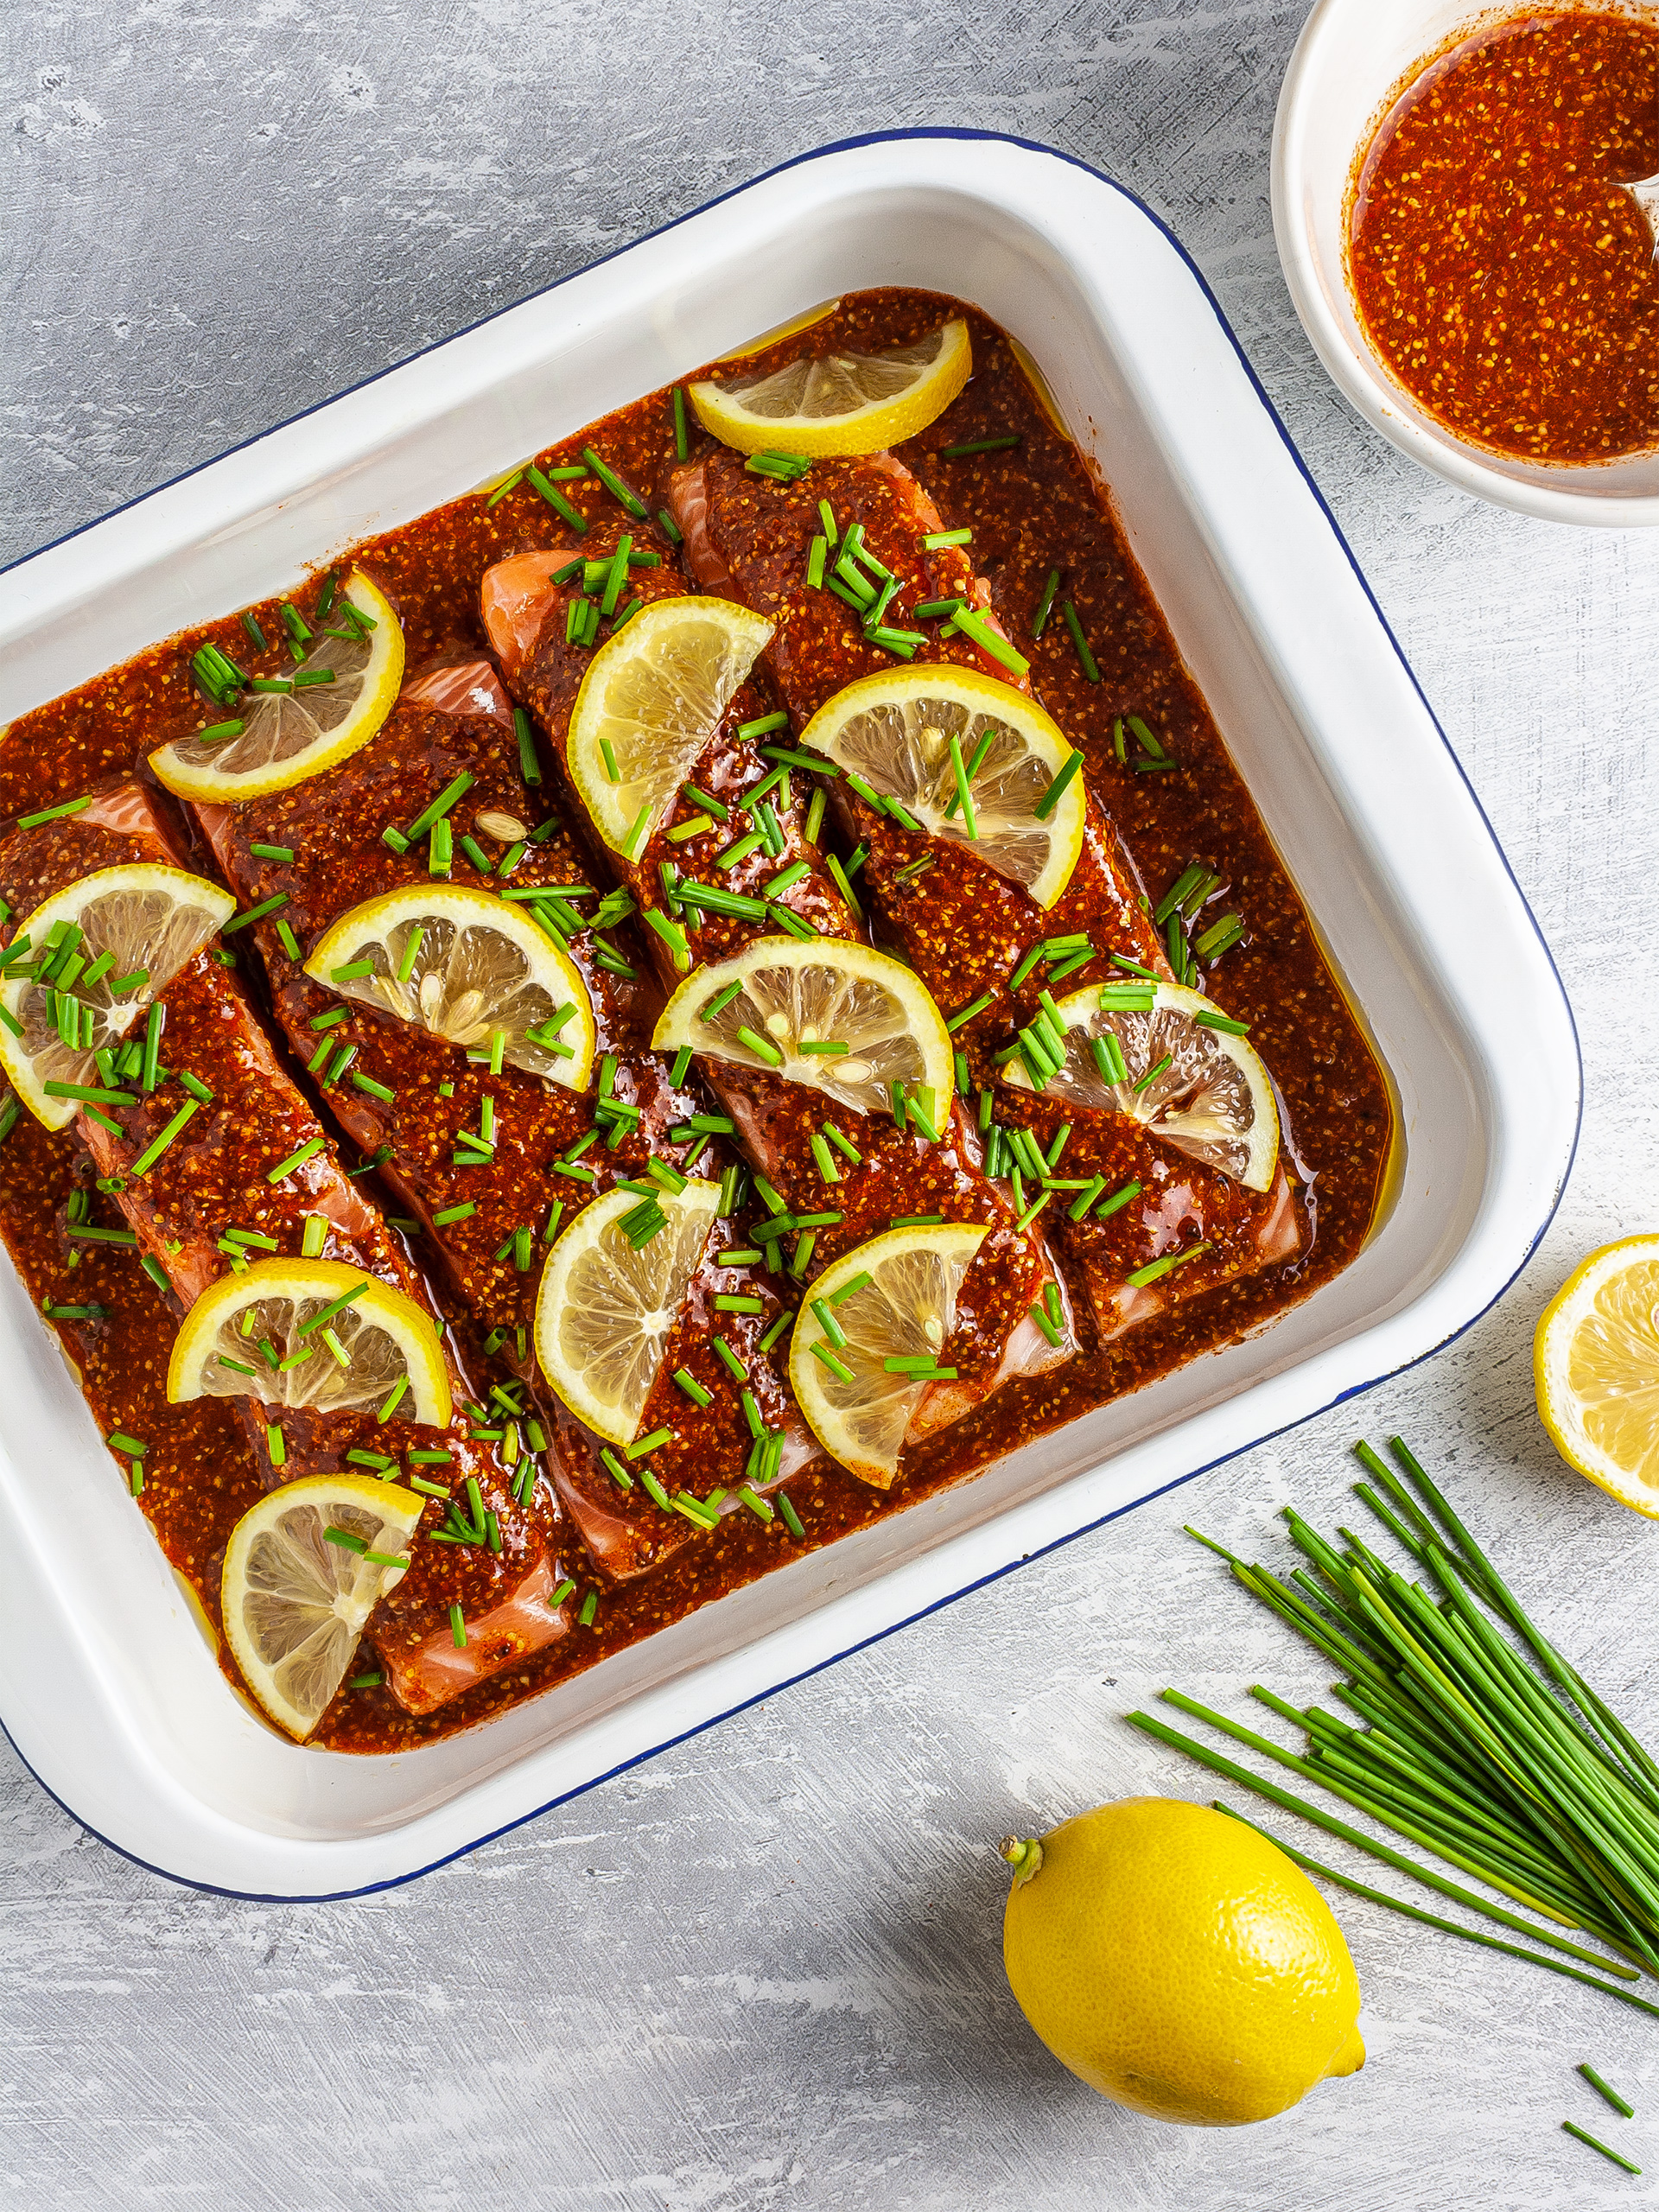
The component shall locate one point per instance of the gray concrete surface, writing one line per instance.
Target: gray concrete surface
(763, 1970)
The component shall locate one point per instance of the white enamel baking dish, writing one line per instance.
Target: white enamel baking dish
(106, 1688)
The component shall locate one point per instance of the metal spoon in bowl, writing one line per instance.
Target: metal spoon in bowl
(1645, 192)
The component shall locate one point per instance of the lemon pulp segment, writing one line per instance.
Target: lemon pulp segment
(894, 731)
(652, 699)
(294, 1601)
(268, 1333)
(839, 403)
(287, 737)
(123, 934)
(894, 1298)
(464, 965)
(610, 1296)
(1596, 1368)
(792, 996)
(1208, 1094)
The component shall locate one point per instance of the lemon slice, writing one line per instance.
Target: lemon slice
(133, 926)
(295, 1599)
(1595, 1364)
(894, 730)
(839, 403)
(793, 1001)
(893, 1298)
(1208, 1094)
(610, 1293)
(464, 964)
(289, 735)
(654, 694)
(311, 1333)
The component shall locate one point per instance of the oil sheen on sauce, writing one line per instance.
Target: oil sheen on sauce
(1032, 507)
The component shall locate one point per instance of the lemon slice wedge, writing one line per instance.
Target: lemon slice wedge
(894, 730)
(1201, 1089)
(610, 1294)
(311, 1333)
(121, 936)
(295, 1598)
(464, 964)
(1595, 1362)
(839, 403)
(287, 737)
(892, 1300)
(837, 1016)
(654, 695)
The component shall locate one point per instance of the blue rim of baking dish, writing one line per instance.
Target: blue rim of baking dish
(1354, 1390)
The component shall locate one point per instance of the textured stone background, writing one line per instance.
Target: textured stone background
(764, 1969)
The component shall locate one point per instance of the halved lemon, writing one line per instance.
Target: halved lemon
(894, 731)
(1595, 1364)
(462, 964)
(289, 735)
(654, 694)
(846, 1020)
(131, 927)
(610, 1293)
(295, 1598)
(839, 403)
(892, 1300)
(312, 1333)
(1199, 1089)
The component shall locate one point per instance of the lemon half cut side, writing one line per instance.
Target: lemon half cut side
(894, 731)
(295, 1598)
(350, 685)
(891, 1299)
(651, 700)
(1202, 1089)
(311, 1333)
(832, 403)
(464, 965)
(837, 1016)
(1596, 1368)
(610, 1294)
(122, 935)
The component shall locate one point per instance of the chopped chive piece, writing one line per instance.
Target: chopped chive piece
(730, 1358)
(681, 440)
(1045, 604)
(1119, 1198)
(823, 1352)
(53, 813)
(692, 1387)
(1568, 2128)
(1086, 659)
(557, 500)
(1587, 2069)
(153, 1151)
(1025, 968)
(150, 1066)
(791, 1519)
(763, 726)
(1050, 798)
(254, 913)
(980, 445)
(777, 1328)
(728, 1301)
(614, 484)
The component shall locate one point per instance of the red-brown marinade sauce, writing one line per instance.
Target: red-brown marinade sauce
(1031, 506)
(1500, 272)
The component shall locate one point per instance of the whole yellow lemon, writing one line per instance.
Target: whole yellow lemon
(1179, 1963)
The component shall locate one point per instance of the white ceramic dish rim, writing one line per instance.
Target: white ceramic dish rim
(1563, 495)
(1406, 1336)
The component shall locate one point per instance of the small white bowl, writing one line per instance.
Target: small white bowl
(1349, 65)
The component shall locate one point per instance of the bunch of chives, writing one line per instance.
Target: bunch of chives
(1480, 1743)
